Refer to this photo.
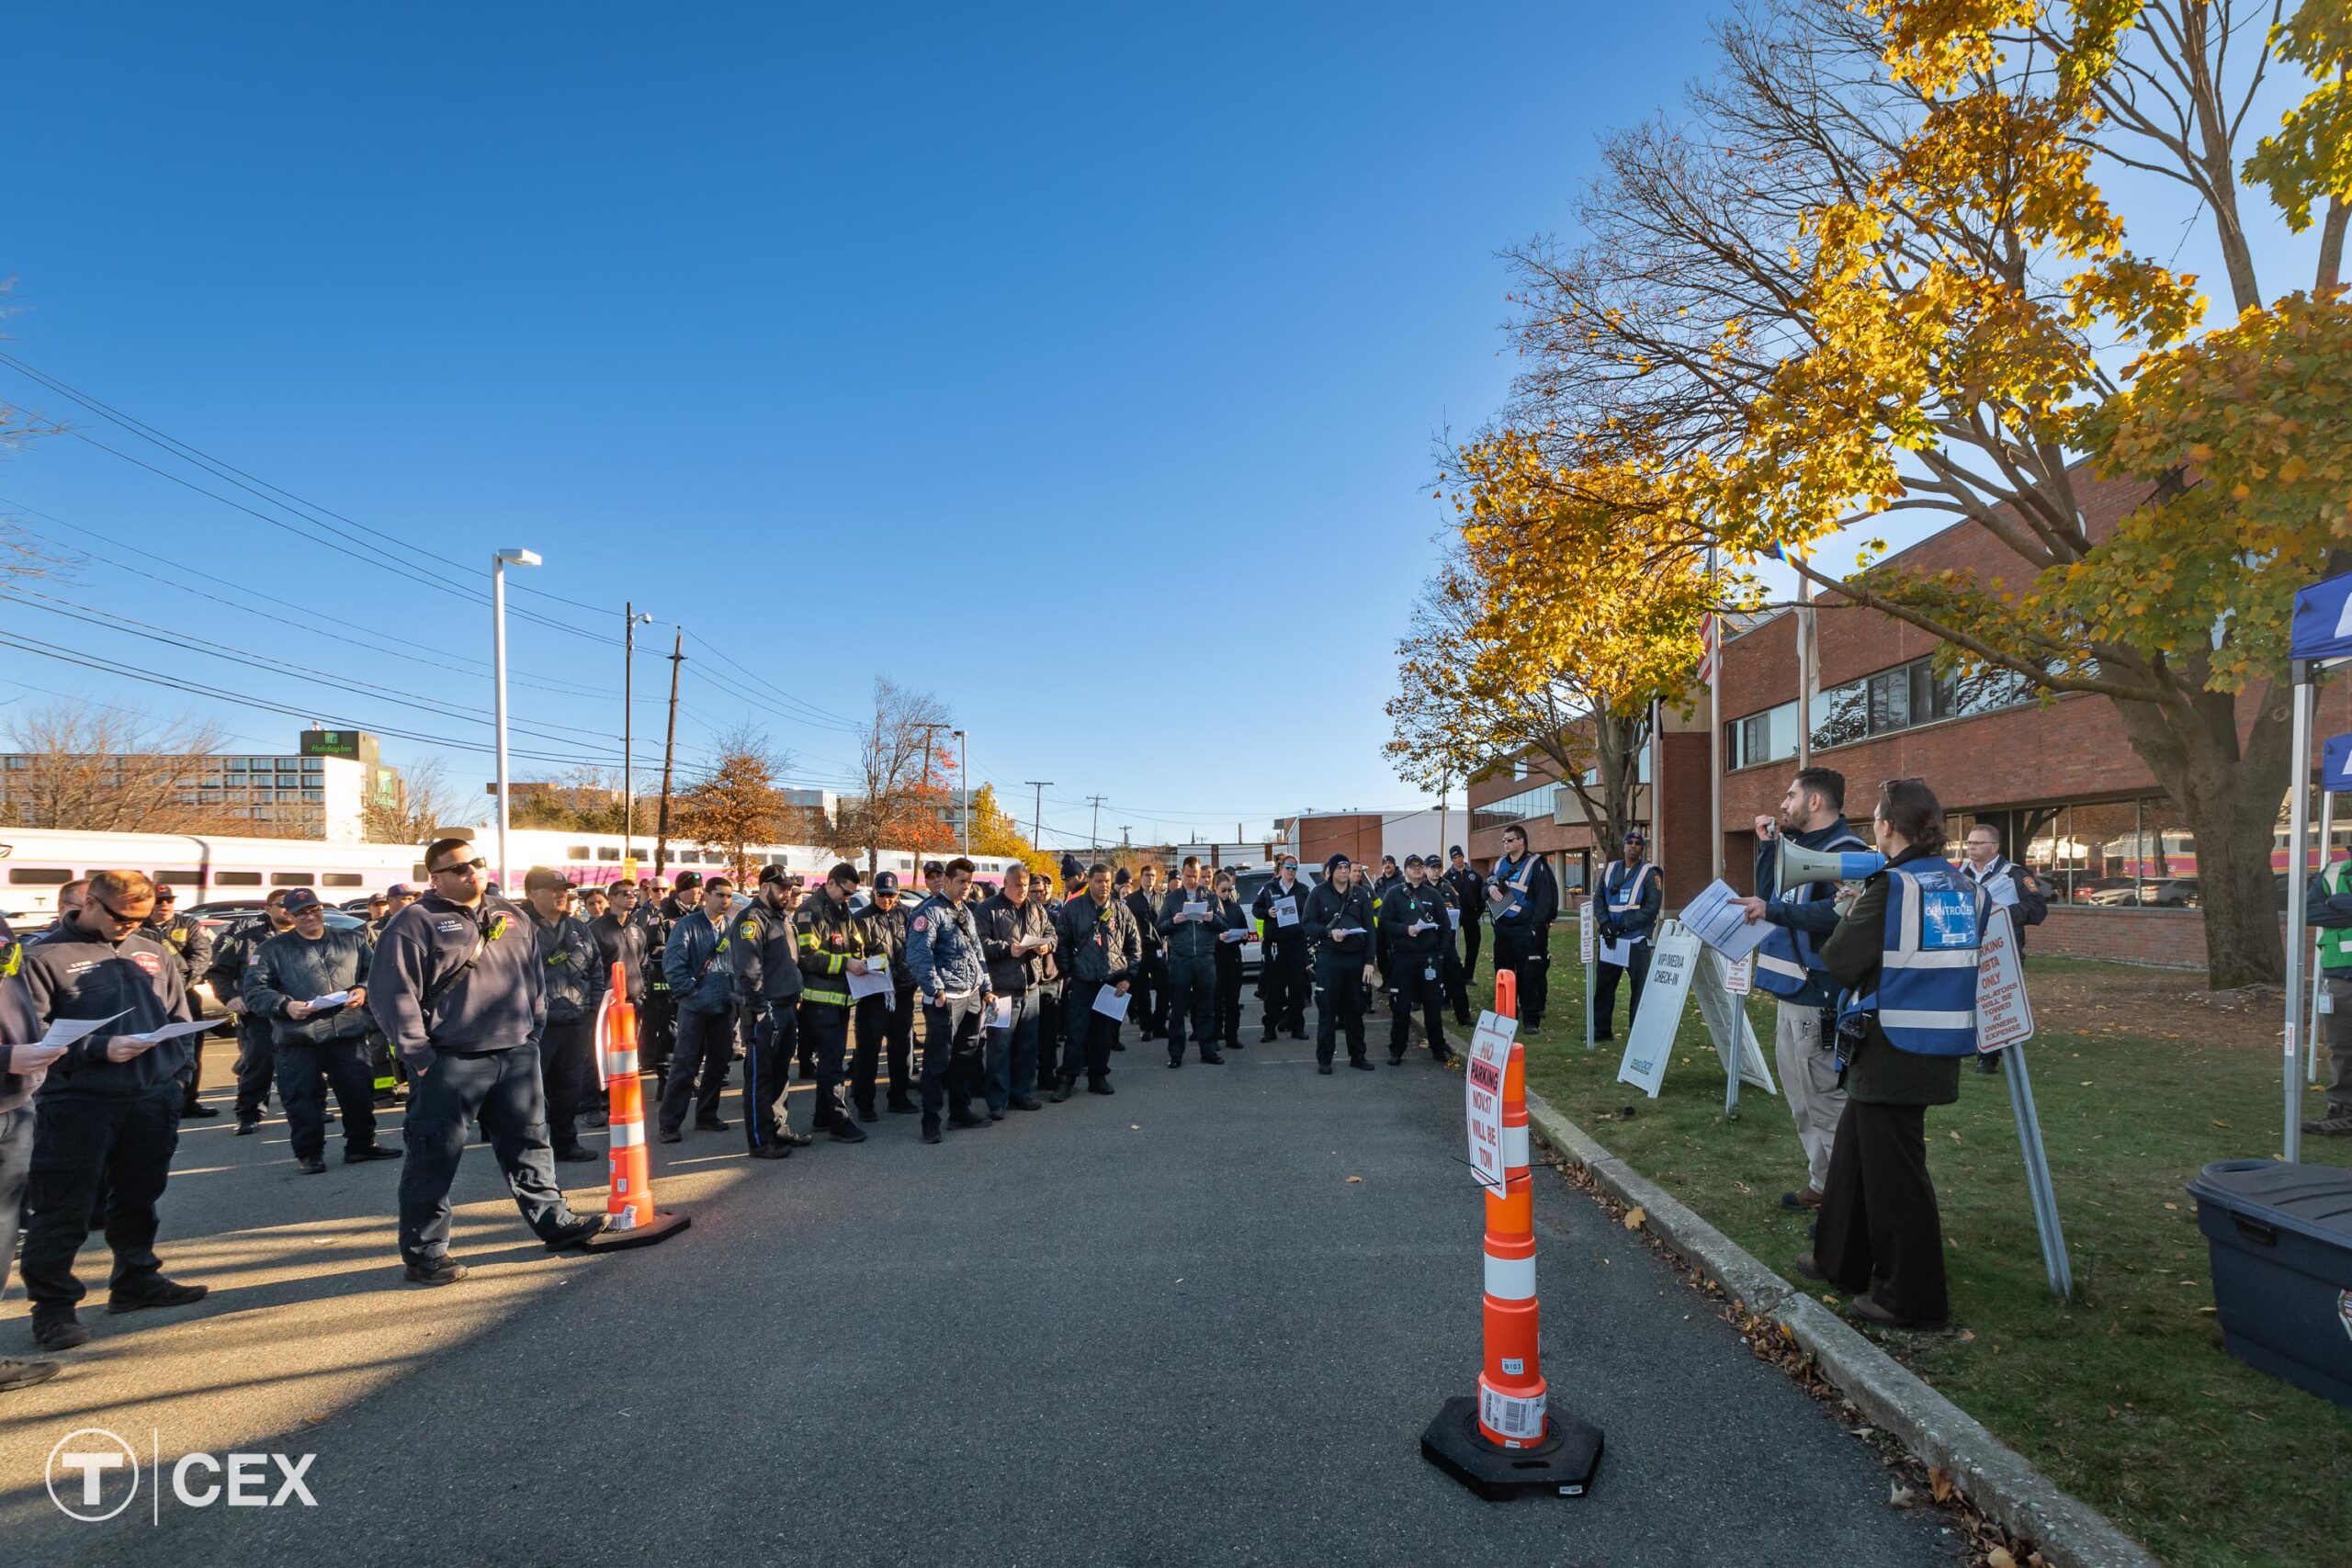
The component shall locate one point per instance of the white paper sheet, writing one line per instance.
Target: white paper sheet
(1001, 1013)
(66, 1031)
(169, 1032)
(872, 983)
(1111, 1004)
(1722, 924)
(2002, 891)
(1286, 911)
(332, 999)
(1196, 909)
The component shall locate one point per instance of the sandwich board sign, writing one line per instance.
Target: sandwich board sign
(1681, 964)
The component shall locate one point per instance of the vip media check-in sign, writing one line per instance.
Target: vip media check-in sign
(1482, 1096)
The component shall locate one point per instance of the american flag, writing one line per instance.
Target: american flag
(1710, 632)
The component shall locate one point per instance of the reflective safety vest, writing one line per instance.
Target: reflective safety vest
(2335, 943)
(1925, 998)
(1788, 959)
(1622, 894)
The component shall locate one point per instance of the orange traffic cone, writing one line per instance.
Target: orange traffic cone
(635, 1222)
(1506, 1440)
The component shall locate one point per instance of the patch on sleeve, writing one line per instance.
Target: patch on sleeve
(921, 922)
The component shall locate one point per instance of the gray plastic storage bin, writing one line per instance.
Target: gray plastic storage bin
(2280, 1241)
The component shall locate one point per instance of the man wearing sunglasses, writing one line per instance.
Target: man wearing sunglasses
(455, 986)
(110, 1114)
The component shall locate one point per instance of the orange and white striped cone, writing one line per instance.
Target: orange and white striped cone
(634, 1221)
(1507, 1442)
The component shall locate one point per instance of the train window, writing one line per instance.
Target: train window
(291, 879)
(236, 879)
(342, 879)
(576, 851)
(39, 877)
(180, 876)
(607, 851)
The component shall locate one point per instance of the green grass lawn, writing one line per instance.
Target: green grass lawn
(2125, 1397)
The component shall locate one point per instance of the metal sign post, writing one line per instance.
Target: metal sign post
(1586, 945)
(2037, 1174)
(2004, 1024)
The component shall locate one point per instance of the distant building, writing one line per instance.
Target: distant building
(321, 790)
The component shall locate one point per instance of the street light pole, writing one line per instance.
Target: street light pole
(498, 565)
(631, 620)
(964, 771)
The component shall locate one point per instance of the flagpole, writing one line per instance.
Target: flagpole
(1714, 732)
(1804, 670)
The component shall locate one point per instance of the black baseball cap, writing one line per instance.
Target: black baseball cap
(686, 879)
(544, 879)
(934, 868)
(885, 884)
(775, 873)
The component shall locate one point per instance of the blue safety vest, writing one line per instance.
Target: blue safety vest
(1925, 998)
(1788, 959)
(1622, 892)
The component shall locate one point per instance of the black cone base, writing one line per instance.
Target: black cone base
(665, 1224)
(1560, 1465)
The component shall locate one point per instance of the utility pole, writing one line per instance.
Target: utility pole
(964, 772)
(1094, 834)
(1124, 843)
(669, 755)
(928, 752)
(629, 619)
(1038, 813)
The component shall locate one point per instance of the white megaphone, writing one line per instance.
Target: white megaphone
(1798, 863)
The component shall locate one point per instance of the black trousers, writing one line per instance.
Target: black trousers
(1229, 994)
(1049, 1031)
(657, 1030)
(1455, 979)
(1192, 1005)
(565, 1049)
(1605, 975)
(1526, 951)
(824, 1035)
(1338, 1004)
(706, 1045)
(1411, 987)
(80, 1146)
(1470, 929)
(767, 1073)
(194, 1076)
(256, 1060)
(884, 1025)
(1150, 992)
(1879, 1220)
(1286, 985)
(306, 1071)
(1086, 1035)
(951, 1057)
(502, 1091)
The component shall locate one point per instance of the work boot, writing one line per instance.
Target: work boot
(56, 1328)
(1022, 1103)
(965, 1118)
(844, 1130)
(248, 1125)
(1212, 1059)
(1298, 1034)
(1324, 1068)
(1062, 1090)
(155, 1291)
(1099, 1085)
(671, 1136)
(710, 1124)
(2337, 1123)
(366, 1152)
(865, 1111)
(24, 1374)
(1395, 1058)
(578, 1154)
(1360, 1063)
(899, 1105)
(310, 1165)
(929, 1133)
(574, 1232)
(1266, 1035)
(772, 1151)
(441, 1270)
(198, 1112)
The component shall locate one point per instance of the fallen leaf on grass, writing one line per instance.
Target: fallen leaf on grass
(1635, 1216)
(2174, 1207)
(1743, 1188)
(2221, 1125)
(2086, 1083)
(1955, 1137)
(1999, 1558)
(1938, 1485)
(1968, 1336)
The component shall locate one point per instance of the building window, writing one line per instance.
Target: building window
(1518, 808)
(235, 765)
(1908, 697)
(313, 765)
(1760, 738)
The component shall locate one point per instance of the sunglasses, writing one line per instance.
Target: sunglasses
(117, 915)
(477, 864)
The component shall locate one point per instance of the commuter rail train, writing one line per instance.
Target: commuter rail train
(204, 869)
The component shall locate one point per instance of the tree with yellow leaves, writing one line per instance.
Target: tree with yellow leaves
(1875, 272)
(1566, 609)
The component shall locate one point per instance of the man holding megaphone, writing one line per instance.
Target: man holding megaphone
(1801, 853)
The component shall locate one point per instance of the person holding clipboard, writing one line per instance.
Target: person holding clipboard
(110, 1112)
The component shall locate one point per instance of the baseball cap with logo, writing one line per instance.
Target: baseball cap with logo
(299, 899)
(886, 883)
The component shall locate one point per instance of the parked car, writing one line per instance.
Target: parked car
(2172, 893)
(1246, 886)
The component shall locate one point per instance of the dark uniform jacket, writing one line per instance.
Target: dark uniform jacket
(1103, 944)
(1408, 905)
(1188, 939)
(72, 975)
(1327, 909)
(451, 978)
(186, 935)
(1261, 909)
(944, 949)
(1469, 892)
(767, 953)
(886, 938)
(826, 936)
(18, 1026)
(571, 966)
(2033, 899)
(233, 954)
(1536, 908)
(289, 968)
(1147, 918)
(1058, 961)
(695, 964)
(1002, 922)
(623, 942)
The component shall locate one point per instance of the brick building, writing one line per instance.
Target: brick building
(2061, 782)
(1528, 792)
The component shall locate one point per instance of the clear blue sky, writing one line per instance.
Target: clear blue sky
(951, 346)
